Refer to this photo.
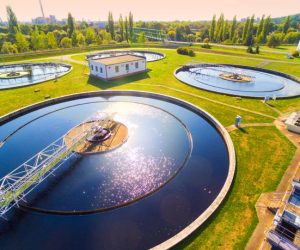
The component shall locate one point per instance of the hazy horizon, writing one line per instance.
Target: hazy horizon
(156, 10)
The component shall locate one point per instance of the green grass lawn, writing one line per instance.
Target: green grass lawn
(240, 51)
(263, 153)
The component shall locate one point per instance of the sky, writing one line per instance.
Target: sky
(156, 10)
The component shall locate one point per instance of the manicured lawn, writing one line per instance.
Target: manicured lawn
(263, 153)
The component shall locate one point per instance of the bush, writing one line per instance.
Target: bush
(295, 53)
(206, 46)
(250, 50)
(185, 51)
(191, 52)
(228, 42)
(257, 49)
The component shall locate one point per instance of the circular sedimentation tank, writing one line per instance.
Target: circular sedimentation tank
(172, 169)
(20, 75)
(150, 56)
(239, 80)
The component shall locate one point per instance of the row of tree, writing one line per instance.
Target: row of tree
(24, 37)
(247, 32)
(18, 37)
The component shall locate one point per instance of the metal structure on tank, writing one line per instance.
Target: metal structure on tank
(16, 185)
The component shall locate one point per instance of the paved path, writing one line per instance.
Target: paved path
(69, 59)
(208, 99)
(263, 63)
(233, 127)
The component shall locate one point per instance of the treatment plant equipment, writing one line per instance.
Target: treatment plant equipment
(20, 182)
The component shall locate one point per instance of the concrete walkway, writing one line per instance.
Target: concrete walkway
(233, 127)
(208, 99)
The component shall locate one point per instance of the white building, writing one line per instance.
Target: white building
(293, 122)
(298, 48)
(117, 66)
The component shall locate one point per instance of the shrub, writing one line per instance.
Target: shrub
(206, 46)
(250, 50)
(257, 49)
(191, 52)
(295, 53)
(228, 41)
(185, 51)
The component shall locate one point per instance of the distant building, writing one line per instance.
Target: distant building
(42, 20)
(298, 48)
(52, 19)
(38, 20)
(117, 66)
(99, 24)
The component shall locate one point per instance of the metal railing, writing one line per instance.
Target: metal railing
(16, 185)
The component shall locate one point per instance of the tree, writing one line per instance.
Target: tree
(74, 39)
(90, 35)
(141, 38)
(232, 28)
(13, 26)
(43, 41)
(106, 37)
(111, 25)
(35, 44)
(260, 27)
(80, 39)
(126, 29)
(51, 41)
(219, 28)
(225, 34)
(274, 40)
(248, 40)
(212, 28)
(287, 24)
(130, 26)
(21, 42)
(292, 37)
(171, 35)
(245, 29)
(121, 24)
(66, 42)
(71, 25)
(9, 48)
(265, 29)
(179, 33)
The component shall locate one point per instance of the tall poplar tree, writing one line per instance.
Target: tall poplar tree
(130, 26)
(121, 24)
(260, 27)
(111, 25)
(71, 25)
(212, 29)
(266, 29)
(13, 26)
(286, 24)
(126, 29)
(248, 40)
(232, 28)
(245, 29)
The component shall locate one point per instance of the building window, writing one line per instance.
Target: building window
(117, 69)
(101, 70)
(96, 68)
(137, 65)
(92, 67)
(127, 66)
